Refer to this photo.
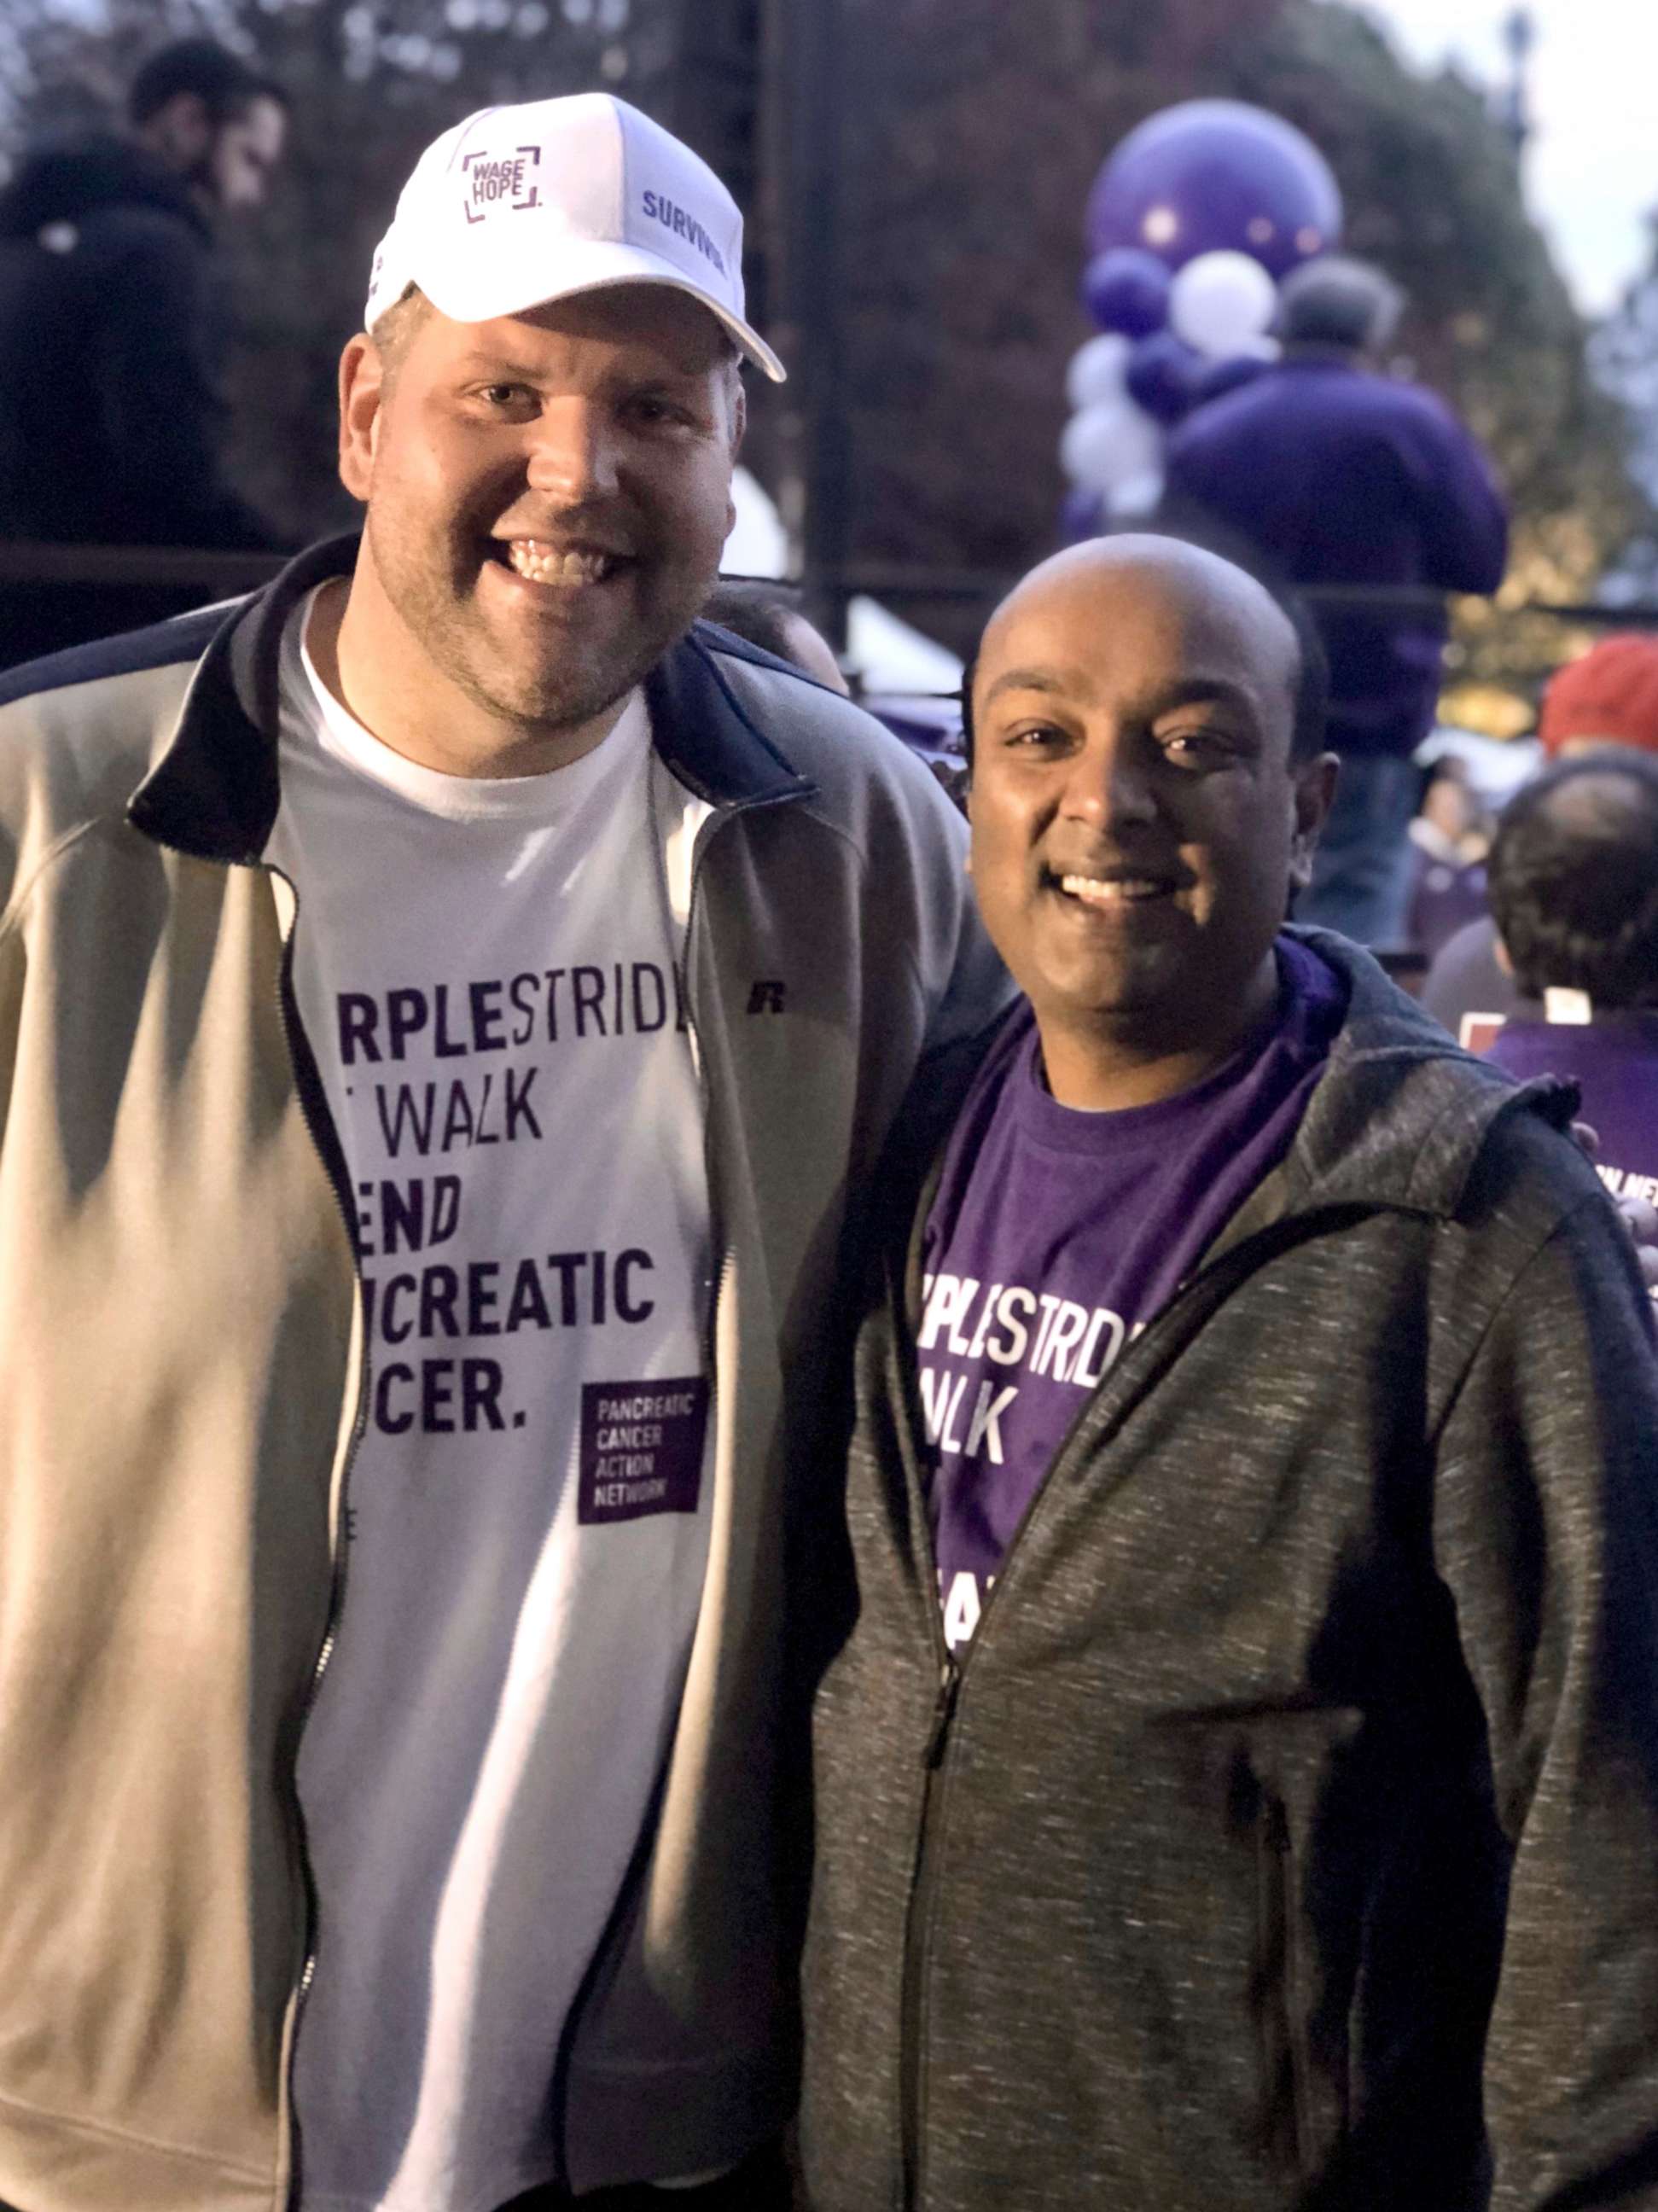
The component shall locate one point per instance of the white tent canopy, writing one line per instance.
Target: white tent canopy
(758, 544)
(888, 656)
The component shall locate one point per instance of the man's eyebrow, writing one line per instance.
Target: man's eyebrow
(1036, 679)
(1199, 691)
(489, 361)
(1166, 699)
(480, 361)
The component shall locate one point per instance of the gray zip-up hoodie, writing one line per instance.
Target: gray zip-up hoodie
(1288, 1835)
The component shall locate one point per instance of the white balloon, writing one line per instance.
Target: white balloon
(1136, 496)
(1110, 444)
(1221, 303)
(1097, 369)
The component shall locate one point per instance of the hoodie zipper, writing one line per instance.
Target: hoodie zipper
(923, 1888)
(1238, 1260)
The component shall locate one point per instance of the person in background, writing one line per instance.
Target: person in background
(1236, 1756)
(1574, 895)
(1449, 838)
(453, 1003)
(113, 337)
(769, 615)
(1335, 474)
(1607, 696)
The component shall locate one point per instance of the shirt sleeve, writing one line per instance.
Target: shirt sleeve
(1546, 1533)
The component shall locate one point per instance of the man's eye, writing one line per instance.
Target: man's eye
(504, 396)
(1197, 748)
(653, 410)
(1035, 737)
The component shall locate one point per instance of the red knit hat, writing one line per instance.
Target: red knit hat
(1610, 692)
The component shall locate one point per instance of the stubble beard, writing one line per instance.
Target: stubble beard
(586, 681)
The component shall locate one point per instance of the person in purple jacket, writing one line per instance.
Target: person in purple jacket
(1574, 893)
(1334, 474)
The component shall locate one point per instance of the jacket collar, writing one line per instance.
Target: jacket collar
(215, 791)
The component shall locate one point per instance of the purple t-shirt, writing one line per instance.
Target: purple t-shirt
(1056, 1235)
(1614, 1059)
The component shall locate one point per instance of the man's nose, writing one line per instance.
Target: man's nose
(571, 456)
(1110, 782)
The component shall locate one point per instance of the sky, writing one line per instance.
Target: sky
(1592, 165)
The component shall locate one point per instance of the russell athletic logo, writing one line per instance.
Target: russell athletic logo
(493, 179)
(662, 210)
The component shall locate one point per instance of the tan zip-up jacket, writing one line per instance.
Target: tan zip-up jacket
(184, 1372)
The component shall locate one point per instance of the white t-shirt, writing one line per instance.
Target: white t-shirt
(486, 972)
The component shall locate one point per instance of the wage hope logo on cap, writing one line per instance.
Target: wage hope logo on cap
(520, 205)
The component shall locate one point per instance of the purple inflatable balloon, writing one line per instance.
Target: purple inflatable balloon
(1082, 515)
(1127, 289)
(1213, 175)
(1162, 376)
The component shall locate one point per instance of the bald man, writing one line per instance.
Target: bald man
(1239, 1786)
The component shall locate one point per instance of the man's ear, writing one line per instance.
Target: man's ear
(1313, 788)
(362, 388)
(739, 421)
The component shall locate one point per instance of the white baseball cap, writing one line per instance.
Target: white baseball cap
(519, 206)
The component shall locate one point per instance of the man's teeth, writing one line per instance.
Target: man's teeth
(1093, 892)
(546, 564)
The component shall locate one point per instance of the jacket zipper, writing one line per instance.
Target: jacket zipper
(917, 1928)
(320, 1124)
(719, 1269)
(718, 1255)
(952, 1674)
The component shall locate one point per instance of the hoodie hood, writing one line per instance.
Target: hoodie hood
(1402, 1113)
(68, 182)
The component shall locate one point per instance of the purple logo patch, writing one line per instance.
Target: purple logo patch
(493, 179)
(641, 1448)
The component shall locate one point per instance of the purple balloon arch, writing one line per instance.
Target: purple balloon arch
(1127, 289)
(1213, 175)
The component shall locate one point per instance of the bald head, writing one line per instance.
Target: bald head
(1195, 592)
(1187, 575)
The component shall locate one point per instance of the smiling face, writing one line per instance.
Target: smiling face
(548, 494)
(1136, 821)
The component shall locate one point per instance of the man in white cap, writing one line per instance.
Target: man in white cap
(449, 1003)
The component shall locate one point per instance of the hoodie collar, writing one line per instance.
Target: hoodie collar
(215, 791)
